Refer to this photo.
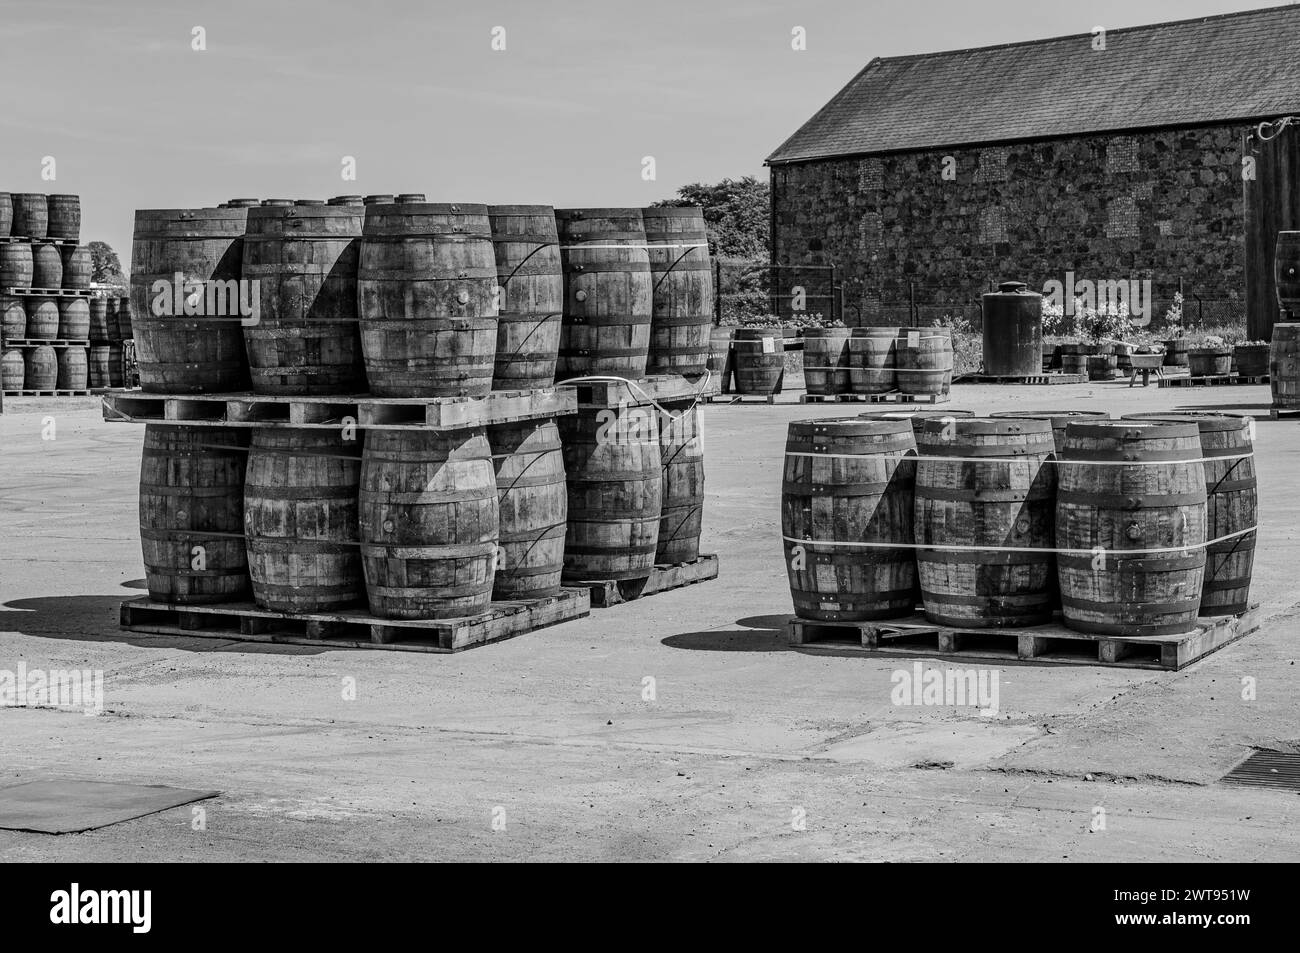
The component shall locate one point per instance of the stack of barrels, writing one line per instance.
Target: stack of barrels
(870, 360)
(41, 264)
(109, 321)
(1128, 528)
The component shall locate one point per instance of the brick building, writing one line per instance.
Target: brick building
(1116, 157)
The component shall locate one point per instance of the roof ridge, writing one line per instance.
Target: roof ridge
(1042, 41)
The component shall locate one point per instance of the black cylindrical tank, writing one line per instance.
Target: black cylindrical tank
(1013, 331)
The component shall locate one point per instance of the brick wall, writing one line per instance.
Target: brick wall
(1155, 205)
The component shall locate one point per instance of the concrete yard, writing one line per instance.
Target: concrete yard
(549, 732)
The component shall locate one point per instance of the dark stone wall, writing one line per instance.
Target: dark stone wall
(1159, 205)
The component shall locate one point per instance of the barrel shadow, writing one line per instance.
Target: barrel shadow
(765, 633)
(96, 619)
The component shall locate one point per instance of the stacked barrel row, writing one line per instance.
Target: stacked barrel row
(877, 360)
(406, 299)
(1133, 527)
(110, 328)
(38, 250)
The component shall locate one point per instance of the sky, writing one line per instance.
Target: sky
(135, 117)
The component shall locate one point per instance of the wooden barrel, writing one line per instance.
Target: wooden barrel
(192, 513)
(986, 487)
(304, 260)
(47, 267)
(13, 318)
(1209, 361)
(526, 246)
(63, 217)
(923, 360)
(74, 319)
(346, 200)
(612, 459)
(378, 200)
(1286, 269)
(826, 365)
(6, 214)
(681, 442)
(721, 361)
(1232, 505)
(681, 275)
(13, 370)
(241, 203)
(429, 520)
(300, 519)
(426, 292)
(203, 351)
(1176, 353)
(759, 355)
(74, 368)
(111, 322)
(847, 482)
(873, 355)
(16, 266)
(1059, 419)
(42, 319)
(607, 292)
(1283, 365)
(78, 267)
(533, 502)
(1136, 485)
(124, 332)
(98, 320)
(1101, 367)
(916, 418)
(31, 215)
(410, 198)
(100, 372)
(1074, 358)
(1250, 360)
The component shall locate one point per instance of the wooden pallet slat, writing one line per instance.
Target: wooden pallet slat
(52, 292)
(611, 592)
(1215, 380)
(1051, 644)
(243, 621)
(1044, 378)
(46, 393)
(653, 387)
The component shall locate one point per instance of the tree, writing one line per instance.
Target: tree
(735, 215)
(106, 266)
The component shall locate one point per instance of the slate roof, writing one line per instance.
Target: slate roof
(1240, 66)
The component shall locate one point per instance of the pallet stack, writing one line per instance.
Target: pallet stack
(44, 296)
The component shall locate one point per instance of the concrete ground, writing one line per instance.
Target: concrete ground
(750, 750)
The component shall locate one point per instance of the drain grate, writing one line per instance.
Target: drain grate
(1267, 769)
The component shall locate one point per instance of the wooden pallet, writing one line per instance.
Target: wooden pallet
(52, 292)
(664, 388)
(1215, 380)
(28, 240)
(356, 629)
(375, 413)
(1041, 643)
(741, 399)
(33, 342)
(895, 397)
(47, 393)
(610, 592)
(1044, 378)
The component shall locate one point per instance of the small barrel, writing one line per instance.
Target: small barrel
(1176, 353)
(681, 274)
(846, 498)
(1074, 358)
(63, 217)
(16, 266)
(42, 368)
(1286, 270)
(1232, 488)
(6, 214)
(13, 318)
(305, 340)
(47, 267)
(533, 502)
(526, 246)
(873, 356)
(429, 522)
(42, 319)
(300, 519)
(1012, 331)
(1209, 361)
(986, 488)
(1250, 360)
(192, 513)
(924, 360)
(101, 366)
(74, 319)
(74, 368)
(99, 320)
(607, 292)
(346, 200)
(426, 299)
(241, 203)
(1101, 367)
(1131, 508)
(759, 355)
(31, 215)
(1283, 365)
(124, 332)
(1059, 419)
(721, 363)
(189, 341)
(826, 365)
(13, 370)
(682, 454)
(378, 200)
(78, 267)
(612, 459)
(411, 198)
